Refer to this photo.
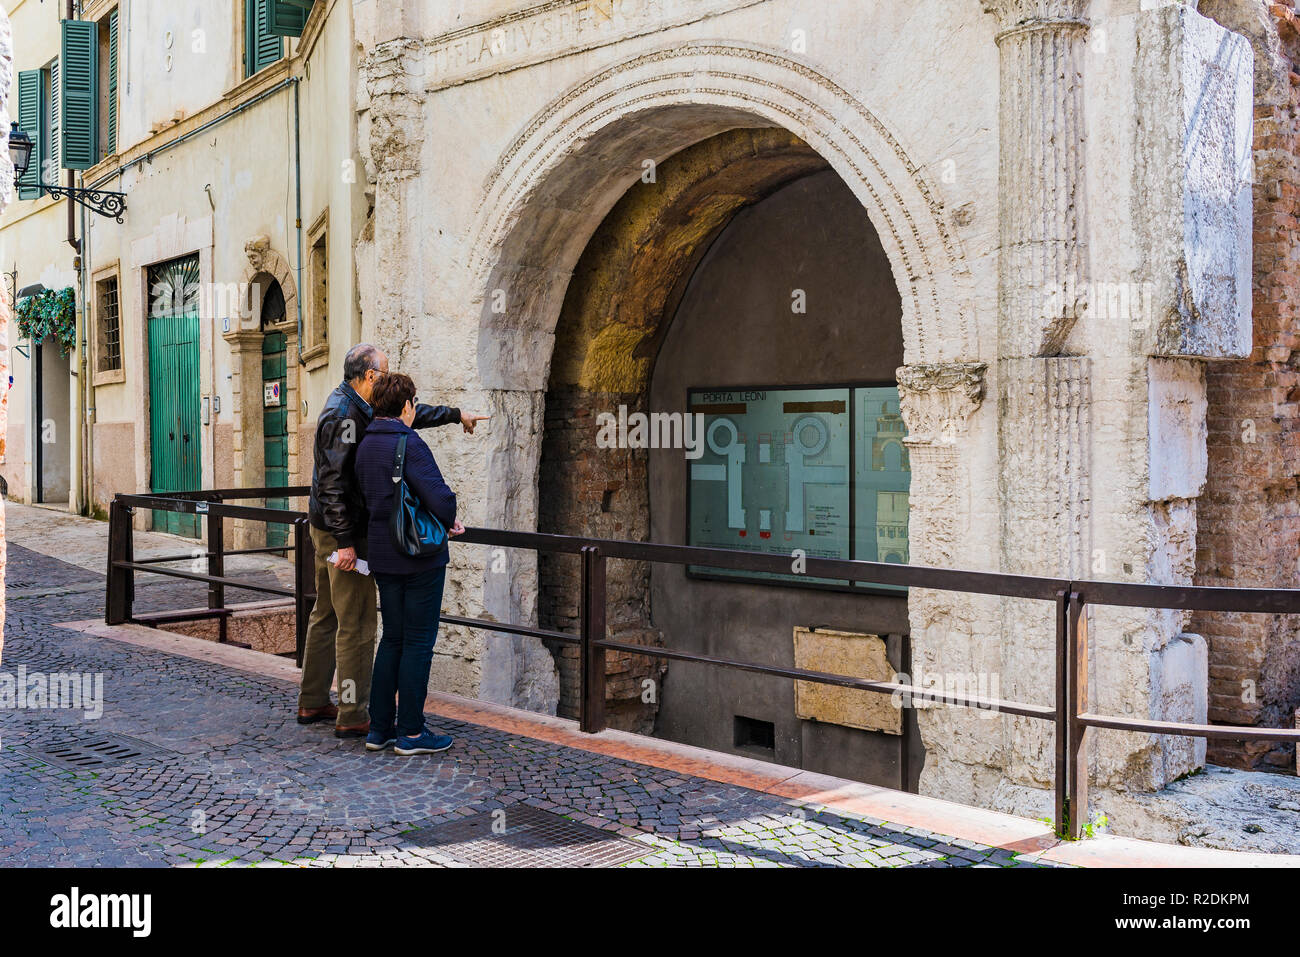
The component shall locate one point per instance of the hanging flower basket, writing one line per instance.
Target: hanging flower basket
(50, 313)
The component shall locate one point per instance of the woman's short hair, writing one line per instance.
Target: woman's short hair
(392, 390)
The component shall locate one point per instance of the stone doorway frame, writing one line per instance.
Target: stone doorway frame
(245, 340)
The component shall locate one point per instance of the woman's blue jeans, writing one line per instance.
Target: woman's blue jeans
(411, 606)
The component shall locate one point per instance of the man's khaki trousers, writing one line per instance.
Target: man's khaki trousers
(341, 630)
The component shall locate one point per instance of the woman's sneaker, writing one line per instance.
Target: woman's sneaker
(377, 740)
(426, 742)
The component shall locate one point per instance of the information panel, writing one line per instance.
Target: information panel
(818, 470)
(882, 475)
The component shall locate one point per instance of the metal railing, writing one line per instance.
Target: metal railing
(1069, 714)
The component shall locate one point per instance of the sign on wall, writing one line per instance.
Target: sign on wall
(818, 470)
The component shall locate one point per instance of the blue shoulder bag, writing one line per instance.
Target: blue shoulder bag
(417, 533)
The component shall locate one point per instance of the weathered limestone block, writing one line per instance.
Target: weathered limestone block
(1172, 101)
(1197, 201)
(1138, 662)
(844, 653)
(1182, 684)
(1176, 425)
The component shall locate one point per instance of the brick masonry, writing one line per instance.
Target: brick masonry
(1249, 515)
(605, 493)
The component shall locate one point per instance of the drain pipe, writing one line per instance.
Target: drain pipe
(297, 181)
(87, 504)
(85, 483)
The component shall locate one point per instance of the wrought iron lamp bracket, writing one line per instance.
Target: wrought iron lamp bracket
(105, 202)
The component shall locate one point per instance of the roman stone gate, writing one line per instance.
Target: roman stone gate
(573, 201)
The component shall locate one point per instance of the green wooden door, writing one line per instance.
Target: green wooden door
(275, 430)
(175, 449)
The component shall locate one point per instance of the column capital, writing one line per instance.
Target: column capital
(1015, 15)
(938, 399)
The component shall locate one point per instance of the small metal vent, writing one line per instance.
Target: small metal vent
(98, 750)
(527, 837)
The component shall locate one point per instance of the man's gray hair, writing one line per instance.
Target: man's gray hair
(360, 359)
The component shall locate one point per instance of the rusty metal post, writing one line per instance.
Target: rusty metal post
(1077, 647)
(117, 588)
(592, 665)
(217, 567)
(304, 577)
(1062, 777)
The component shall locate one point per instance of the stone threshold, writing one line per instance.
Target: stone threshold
(1033, 840)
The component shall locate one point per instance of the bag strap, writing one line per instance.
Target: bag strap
(399, 459)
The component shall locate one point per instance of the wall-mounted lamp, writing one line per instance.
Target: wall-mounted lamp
(105, 202)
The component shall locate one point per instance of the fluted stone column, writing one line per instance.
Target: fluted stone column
(1044, 425)
(1042, 215)
(952, 633)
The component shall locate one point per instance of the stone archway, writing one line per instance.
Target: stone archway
(265, 267)
(617, 310)
(566, 170)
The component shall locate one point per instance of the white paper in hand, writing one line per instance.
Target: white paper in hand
(362, 565)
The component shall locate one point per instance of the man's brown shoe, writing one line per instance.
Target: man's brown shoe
(354, 731)
(311, 715)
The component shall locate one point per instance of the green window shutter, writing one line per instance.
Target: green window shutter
(31, 118)
(79, 78)
(53, 137)
(110, 145)
(287, 18)
(261, 47)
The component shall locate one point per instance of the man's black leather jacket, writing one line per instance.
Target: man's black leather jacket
(336, 505)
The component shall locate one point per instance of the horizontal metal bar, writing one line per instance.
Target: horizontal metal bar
(210, 579)
(1128, 594)
(190, 506)
(1280, 601)
(918, 576)
(162, 559)
(822, 677)
(216, 494)
(1202, 598)
(1228, 731)
(510, 629)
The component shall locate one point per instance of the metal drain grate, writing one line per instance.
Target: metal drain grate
(528, 838)
(99, 750)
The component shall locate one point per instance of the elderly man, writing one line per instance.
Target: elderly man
(342, 627)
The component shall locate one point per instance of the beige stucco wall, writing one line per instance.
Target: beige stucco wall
(33, 240)
(211, 194)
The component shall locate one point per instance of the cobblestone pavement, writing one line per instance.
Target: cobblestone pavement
(241, 783)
